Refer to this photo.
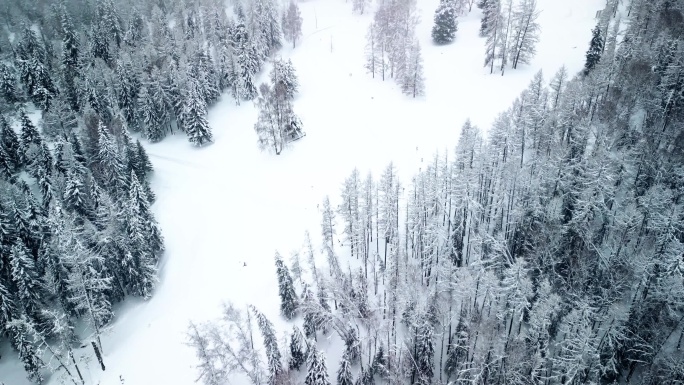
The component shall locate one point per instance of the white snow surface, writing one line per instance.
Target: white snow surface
(228, 203)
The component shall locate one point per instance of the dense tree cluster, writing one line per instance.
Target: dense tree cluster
(159, 65)
(277, 124)
(548, 252)
(392, 49)
(511, 30)
(76, 234)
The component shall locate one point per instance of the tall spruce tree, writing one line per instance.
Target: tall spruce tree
(275, 366)
(297, 358)
(595, 50)
(446, 25)
(288, 296)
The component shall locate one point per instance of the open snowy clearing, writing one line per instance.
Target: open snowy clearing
(229, 204)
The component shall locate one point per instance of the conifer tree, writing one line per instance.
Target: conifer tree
(297, 357)
(8, 83)
(446, 25)
(413, 82)
(327, 224)
(275, 367)
(193, 116)
(30, 358)
(595, 50)
(344, 374)
(288, 297)
(147, 108)
(352, 346)
(309, 316)
(292, 23)
(425, 353)
(317, 373)
(141, 253)
(284, 79)
(25, 277)
(11, 145)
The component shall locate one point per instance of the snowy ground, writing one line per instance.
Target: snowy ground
(228, 203)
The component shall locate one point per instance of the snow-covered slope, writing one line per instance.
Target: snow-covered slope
(229, 204)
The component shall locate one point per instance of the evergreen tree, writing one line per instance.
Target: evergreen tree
(142, 236)
(277, 124)
(8, 83)
(446, 25)
(317, 373)
(595, 50)
(284, 79)
(309, 316)
(149, 115)
(8, 305)
(25, 277)
(29, 133)
(297, 357)
(288, 297)
(344, 374)
(11, 145)
(19, 337)
(379, 365)
(275, 367)
(327, 224)
(292, 23)
(193, 116)
(425, 353)
(352, 346)
(413, 82)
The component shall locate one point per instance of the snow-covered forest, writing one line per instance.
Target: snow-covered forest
(543, 245)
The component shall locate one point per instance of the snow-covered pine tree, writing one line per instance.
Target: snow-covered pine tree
(277, 124)
(297, 358)
(317, 373)
(310, 325)
(284, 79)
(142, 237)
(275, 366)
(327, 223)
(379, 365)
(8, 83)
(193, 116)
(147, 108)
(26, 281)
(595, 50)
(29, 356)
(352, 346)
(10, 143)
(344, 374)
(446, 25)
(288, 297)
(413, 81)
(127, 92)
(108, 164)
(292, 23)
(375, 52)
(425, 352)
(88, 285)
